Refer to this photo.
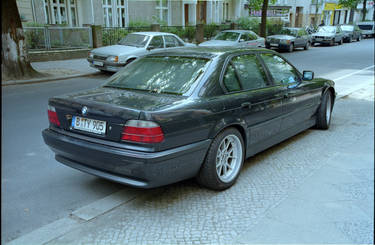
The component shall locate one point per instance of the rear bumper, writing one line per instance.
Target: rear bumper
(134, 168)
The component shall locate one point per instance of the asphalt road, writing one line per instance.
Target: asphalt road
(37, 190)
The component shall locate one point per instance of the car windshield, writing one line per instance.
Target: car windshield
(365, 27)
(347, 28)
(292, 32)
(227, 36)
(136, 40)
(329, 29)
(173, 75)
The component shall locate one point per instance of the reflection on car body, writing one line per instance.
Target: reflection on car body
(183, 113)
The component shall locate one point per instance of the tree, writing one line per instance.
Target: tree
(352, 4)
(261, 4)
(14, 61)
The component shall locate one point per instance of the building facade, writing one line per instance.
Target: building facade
(121, 13)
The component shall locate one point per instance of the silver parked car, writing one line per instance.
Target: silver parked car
(289, 39)
(328, 35)
(134, 45)
(240, 38)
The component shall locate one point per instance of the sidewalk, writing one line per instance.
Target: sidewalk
(57, 70)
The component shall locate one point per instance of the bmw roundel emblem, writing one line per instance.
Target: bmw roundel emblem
(84, 110)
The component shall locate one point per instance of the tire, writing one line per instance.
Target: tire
(268, 46)
(359, 38)
(324, 112)
(291, 48)
(215, 173)
(307, 46)
(332, 42)
(350, 40)
(341, 41)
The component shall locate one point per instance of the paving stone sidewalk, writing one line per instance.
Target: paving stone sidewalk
(57, 70)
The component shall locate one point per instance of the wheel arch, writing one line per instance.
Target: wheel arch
(240, 126)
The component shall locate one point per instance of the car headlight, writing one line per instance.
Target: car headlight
(113, 59)
(285, 41)
(91, 55)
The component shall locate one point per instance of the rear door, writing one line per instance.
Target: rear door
(301, 98)
(251, 96)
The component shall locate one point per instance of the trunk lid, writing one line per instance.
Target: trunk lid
(112, 106)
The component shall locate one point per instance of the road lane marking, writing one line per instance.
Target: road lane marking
(353, 73)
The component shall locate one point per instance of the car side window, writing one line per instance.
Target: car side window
(250, 71)
(252, 36)
(282, 72)
(157, 42)
(230, 79)
(170, 41)
(244, 37)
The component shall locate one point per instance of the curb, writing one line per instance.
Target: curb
(46, 79)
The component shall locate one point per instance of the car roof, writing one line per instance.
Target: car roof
(207, 52)
(238, 31)
(152, 33)
(293, 28)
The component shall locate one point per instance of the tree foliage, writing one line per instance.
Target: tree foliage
(257, 4)
(349, 3)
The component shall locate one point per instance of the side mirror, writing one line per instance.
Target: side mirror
(150, 47)
(308, 75)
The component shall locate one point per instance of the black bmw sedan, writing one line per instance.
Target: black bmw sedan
(183, 113)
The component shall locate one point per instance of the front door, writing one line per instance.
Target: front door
(300, 99)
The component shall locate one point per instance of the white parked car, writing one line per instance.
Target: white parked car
(134, 45)
(368, 28)
(240, 38)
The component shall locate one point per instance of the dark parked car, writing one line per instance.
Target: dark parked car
(183, 113)
(351, 32)
(289, 39)
(328, 35)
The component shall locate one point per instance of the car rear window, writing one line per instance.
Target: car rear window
(366, 27)
(175, 75)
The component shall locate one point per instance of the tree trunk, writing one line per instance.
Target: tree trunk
(351, 16)
(263, 24)
(364, 10)
(14, 61)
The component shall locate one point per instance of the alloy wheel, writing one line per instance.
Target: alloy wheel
(229, 158)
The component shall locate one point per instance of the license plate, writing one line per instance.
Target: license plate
(274, 44)
(319, 39)
(97, 63)
(89, 125)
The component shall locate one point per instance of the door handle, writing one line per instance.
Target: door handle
(246, 105)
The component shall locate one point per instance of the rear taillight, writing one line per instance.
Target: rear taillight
(142, 131)
(52, 116)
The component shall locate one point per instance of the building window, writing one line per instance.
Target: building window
(162, 6)
(121, 13)
(107, 8)
(115, 13)
(57, 12)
